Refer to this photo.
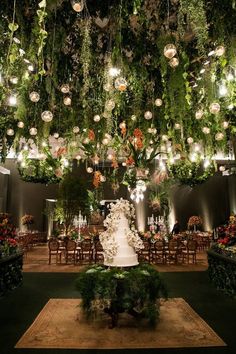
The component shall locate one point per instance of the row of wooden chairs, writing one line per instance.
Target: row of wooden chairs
(74, 252)
(172, 252)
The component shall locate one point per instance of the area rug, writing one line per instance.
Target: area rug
(61, 324)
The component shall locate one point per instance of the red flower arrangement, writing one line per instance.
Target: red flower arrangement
(8, 244)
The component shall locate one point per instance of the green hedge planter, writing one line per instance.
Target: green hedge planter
(133, 290)
(10, 272)
(222, 271)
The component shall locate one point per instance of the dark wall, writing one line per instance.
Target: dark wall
(27, 198)
(214, 201)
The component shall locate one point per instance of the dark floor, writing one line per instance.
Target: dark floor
(19, 308)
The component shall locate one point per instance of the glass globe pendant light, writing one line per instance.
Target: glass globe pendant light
(77, 5)
(170, 51)
(47, 116)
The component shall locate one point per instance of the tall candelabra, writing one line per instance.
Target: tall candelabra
(79, 222)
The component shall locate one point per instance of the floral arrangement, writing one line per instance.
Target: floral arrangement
(8, 244)
(27, 219)
(227, 233)
(152, 236)
(111, 222)
(194, 221)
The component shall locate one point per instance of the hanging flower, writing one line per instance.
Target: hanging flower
(138, 143)
(97, 179)
(138, 133)
(129, 161)
(91, 135)
(61, 151)
(114, 163)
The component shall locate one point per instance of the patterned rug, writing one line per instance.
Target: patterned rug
(61, 324)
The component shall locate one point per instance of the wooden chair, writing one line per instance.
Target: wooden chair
(158, 252)
(99, 253)
(86, 250)
(171, 253)
(53, 246)
(70, 251)
(144, 254)
(190, 251)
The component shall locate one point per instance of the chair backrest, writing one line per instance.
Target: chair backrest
(86, 245)
(53, 245)
(146, 244)
(173, 245)
(159, 245)
(192, 245)
(70, 245)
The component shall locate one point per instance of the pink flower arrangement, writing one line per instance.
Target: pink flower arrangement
(194, 221)
(27, 219)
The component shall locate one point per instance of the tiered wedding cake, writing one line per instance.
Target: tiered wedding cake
(120, 241)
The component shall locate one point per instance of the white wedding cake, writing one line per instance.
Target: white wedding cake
(120, 241)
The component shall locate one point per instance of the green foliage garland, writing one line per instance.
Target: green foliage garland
(190, 173)
(135, 290)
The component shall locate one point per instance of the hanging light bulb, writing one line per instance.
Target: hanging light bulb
(158, 102)
(114, 71)
(77, 5)
(34, 96)
(33, 131)
(148, 115)
(65, 88)
(67, 101)
(12, 100)
(190, 140)
(222, 168)
(102, 178)
(76, 130)
(47, 116)
(219, 136)
(214, 108)
(10, 132)
(170, 51)
(174, 62)
(206, 130)
(89, 169)
(199, 114)
(219, 51)
(121, 84)
(20, 124)
(177, 126)
(96, 118)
